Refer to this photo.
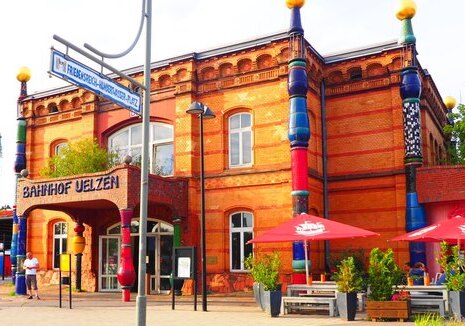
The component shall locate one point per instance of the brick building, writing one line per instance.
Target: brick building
(356, 159)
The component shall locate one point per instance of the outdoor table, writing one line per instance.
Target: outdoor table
(318, 289)
(422, 291)
(314, 288)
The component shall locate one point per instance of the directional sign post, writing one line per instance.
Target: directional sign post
(76, 73)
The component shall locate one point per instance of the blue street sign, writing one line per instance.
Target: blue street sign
(76, 73)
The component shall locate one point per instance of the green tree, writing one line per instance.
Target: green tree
(83, 156)
(457, 134)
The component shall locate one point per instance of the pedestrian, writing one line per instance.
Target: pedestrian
(31, 265)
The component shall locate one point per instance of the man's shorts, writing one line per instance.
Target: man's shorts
(31, 281)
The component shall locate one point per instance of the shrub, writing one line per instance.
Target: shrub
(347, 277)
(453, 265)
(383, 275)
(265, 269)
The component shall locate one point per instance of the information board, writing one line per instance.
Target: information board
(185, 262)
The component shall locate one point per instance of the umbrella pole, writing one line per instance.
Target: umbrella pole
(306, 259)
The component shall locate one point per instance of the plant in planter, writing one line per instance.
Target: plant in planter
(265, 272)
(349, 281)
(383, 276)
(454, 266)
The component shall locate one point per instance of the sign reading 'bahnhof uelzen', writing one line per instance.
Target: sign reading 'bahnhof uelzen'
(67, 187)
(74, 72)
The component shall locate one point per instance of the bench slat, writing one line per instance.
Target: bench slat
(302, 303)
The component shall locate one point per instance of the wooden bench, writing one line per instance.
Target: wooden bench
(309, 303)
(424, 304)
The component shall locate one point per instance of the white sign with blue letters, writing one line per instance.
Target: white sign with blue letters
(76, 73)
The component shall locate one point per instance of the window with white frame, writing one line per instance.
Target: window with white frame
(240, 140)
(59, 147)
(241, 231)
(129, 141)
(60, 240)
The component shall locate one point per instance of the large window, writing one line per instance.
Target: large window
(240, 140)
(129, 141)
(240, 232)
(60, 239)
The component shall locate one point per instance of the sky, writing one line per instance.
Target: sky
(185, 26)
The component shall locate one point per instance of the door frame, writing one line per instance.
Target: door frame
(155, 279)
(100, 262)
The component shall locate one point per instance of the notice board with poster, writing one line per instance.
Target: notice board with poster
(184, 267)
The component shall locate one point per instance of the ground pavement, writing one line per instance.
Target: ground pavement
(102, 309)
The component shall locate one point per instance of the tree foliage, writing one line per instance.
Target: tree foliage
(457, 134)
(83, 156)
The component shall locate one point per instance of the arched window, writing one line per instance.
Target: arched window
(355, 73)
(241, 231)
(60, 240)
(59, 147)
(129, 141)
(240, 139)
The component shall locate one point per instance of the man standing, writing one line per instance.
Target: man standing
(31, 265)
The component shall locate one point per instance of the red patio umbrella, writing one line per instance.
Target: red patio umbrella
(305, 227)
(451, 230)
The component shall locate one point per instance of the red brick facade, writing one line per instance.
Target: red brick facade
(363, 119)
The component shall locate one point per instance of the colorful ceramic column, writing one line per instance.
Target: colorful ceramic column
(14, 241)
(126, 272)
(18, 241)
(410, 90)
(78, 245)
(299, 129)
(20, 282)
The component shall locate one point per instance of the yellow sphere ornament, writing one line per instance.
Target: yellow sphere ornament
(407, 9)
(449, 102)
(295, 3)
(24, 74)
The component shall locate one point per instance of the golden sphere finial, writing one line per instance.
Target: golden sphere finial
(24, 74)
(407, 9)
(295, 3)
(449, 102)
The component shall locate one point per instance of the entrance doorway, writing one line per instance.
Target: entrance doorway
(159, 252)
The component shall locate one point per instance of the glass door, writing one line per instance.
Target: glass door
(163, 265)
(109, 253)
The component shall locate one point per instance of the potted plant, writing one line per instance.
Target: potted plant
(349, 281)
(454, 266)
(383, 276)
(265, 272)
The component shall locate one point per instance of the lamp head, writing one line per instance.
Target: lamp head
(201, 109)
(196, 108)
(208, 113)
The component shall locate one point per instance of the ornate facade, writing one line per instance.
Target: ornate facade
(355, 158)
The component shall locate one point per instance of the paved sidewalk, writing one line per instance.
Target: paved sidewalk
(107, 309)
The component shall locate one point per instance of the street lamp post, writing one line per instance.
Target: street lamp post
(203, 112)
